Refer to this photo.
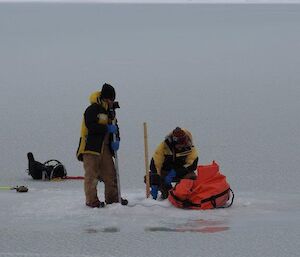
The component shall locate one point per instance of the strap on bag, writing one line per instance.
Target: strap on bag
(187, 204)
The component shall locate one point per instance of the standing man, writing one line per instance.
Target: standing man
(96, 147)
(174, 158)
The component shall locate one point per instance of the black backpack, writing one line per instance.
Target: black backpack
(46, 171)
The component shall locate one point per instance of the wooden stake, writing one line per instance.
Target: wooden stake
(146, 161)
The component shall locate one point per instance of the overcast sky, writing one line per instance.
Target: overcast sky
(161, 1)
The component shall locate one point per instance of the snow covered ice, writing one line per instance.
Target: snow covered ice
(228, 73)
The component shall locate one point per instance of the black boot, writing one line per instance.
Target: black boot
(164, 189)
(124, 201)
(96, 204)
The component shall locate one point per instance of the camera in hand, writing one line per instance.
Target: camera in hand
(116, 105)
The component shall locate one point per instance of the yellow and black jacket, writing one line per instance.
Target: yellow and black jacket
(94, 127)
(166, 157)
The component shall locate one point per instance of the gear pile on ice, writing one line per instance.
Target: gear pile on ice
(46, 171)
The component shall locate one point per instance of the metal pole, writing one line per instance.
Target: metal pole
(117, 165)
(146, 161)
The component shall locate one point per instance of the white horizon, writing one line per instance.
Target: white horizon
(159, 1)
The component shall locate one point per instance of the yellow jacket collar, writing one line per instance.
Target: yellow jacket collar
(95, 98)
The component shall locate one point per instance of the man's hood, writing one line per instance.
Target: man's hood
(95, 97)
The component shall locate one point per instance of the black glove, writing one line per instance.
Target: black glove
(155, 179)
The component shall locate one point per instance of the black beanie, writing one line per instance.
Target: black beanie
(108, 92)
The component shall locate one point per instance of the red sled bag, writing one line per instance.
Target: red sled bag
(210, 190)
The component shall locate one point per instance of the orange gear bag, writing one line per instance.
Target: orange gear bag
(210, 190)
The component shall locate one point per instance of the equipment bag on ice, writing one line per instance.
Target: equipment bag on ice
(210, 190)
(46, 171)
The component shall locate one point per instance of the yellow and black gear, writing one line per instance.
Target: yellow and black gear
(94, 127)
(167, 157)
